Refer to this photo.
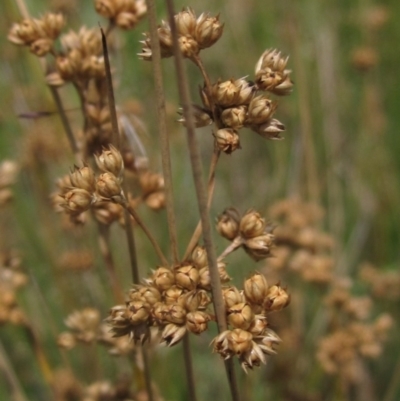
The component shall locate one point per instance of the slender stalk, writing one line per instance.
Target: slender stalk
(197, 171)
(17, 392)
(210, 192)
(54, 93)
(104, 245)
(41, 357)
(162, 128)
(110, 93)
(65, 121)
(235, 244)
(128, 228)
(138, 220)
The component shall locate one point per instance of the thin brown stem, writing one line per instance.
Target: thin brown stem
(162, 128)
(235, 244)
(197, 171)
(54, 93)
(8, 372)
(65, 121)
(131, 247)
(138, 220)
(104, 245)
(110, 92)
(189, 368)
(210, 192)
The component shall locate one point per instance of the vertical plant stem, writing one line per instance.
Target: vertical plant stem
(17, 392)
(41, 357)
(166, 165)
(197, 171)
(156, 247)
(54, 93)
(104, 245)
(162, 128)
(65, 121)
(110, 93)
(210, 192)
(128, 228)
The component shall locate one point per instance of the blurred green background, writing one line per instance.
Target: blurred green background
(340, 150)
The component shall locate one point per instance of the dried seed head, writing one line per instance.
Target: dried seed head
(83, 177)
(252, 224)
(228, 223)
(189, 47)
(270, 129)
(260, 110)
(258, 325)
(208, 30)
(107, 212)
(186, 22)
(66, 340)
(240, 316)
(191, 300)
(259, 247)
(226, 94)
(199, 257)
(84, 324)
(173, 333)
(277, 298)
(234, 117)
(232, 296)
(173, 295)
(110, 160)
(196, 322)
(108, 186)
(227, 140)
(204, 278)
(137, 312)
(77, 200)
(41, 47)
(175, 313)
(202, 117)
(256, 288)
(186, 276)
(163, 278)
(106, 8)
(272, 59)
(240, 341)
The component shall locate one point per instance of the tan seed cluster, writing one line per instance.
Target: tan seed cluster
(301, 247)
(250, 338)
(238, 103)
(8, 174)
(37, 34)
(195, 34)
(123, 13)
(249, 231)
(174, 300)
(12, 278)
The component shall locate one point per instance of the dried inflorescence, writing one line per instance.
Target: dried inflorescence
(82, 190)
(354, 336)
(177, 300)
(249, 231)
(238, 103)
(301, 247)
(38, 34)
(385, 284)
(8, 173)
(194, 34)
(85, 327)
(12, 278)
(123, 13)
(250, 338)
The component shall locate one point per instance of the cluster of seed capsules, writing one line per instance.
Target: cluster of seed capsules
(239, 103)
(231, 104)
(177, 300)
